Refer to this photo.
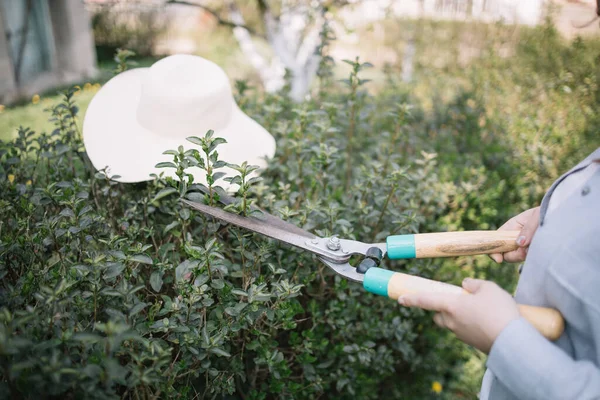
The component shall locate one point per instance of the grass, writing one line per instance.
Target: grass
(31, 113)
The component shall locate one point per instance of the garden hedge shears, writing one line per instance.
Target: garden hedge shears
(336, 253)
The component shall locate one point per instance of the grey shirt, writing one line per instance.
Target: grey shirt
(562, 271)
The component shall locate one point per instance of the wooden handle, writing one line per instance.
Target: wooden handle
(547, 321)
(451, 244)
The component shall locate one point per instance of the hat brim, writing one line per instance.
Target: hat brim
(115, 140)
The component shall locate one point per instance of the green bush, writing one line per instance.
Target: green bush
(126, 24)
(115, 290)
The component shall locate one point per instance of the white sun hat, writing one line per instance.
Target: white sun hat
(142, 112)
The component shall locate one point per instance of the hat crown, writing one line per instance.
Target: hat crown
(184, 95)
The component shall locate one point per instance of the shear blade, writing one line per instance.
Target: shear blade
(256, 224)
(263, 216)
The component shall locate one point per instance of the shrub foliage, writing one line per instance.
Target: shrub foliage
(115, 290)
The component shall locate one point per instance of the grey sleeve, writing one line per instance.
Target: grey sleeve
(534, 368)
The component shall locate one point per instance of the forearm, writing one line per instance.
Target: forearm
(534, 368)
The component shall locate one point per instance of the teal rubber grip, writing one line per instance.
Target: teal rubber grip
(401, 246)
(376, 281)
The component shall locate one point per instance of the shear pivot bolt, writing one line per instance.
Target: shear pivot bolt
(315, 241)
(334, 243)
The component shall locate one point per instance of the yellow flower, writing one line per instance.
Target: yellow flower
(87, 86)
(436, 387)
(97, 86)
(78, 91)
(35, 99)
(2, 108)
(11, 178)
(28, 183)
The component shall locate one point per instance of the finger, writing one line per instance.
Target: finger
(497, 257)
(438, 318)
(428, 301)
(472, 285)
(517, 222)
(516, 255)
(524, 238)
(513, 224)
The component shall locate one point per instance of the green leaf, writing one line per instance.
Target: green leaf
(195, 140)
(182, 188)
(184, 213)
(110, 292)
(218, 175)
(67, 212)
(234, 180)
(115, 269)
(164, 193)
(137, 308)
(205, 337)
(210, 244)
(235, 310)
(156, 281)
(82, 270)
(85, 210)
(195, 196)
(220, 352)
(216, 142)
(165, 164)
(254, 180)
(217, 284)
(142, 259)
(184, 269)
(117, 254)
(87, 337)
(171, 226)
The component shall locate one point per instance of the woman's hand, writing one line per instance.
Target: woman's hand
(527, 222)
(477, 318)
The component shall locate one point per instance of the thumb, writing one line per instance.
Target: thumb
(472, 285)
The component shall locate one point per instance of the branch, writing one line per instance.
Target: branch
(586, 24)
(311, 42)
(215, 14)
(270, 80)
(268, 19)
(263, 7)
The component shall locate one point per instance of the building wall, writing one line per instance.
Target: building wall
(74, 39)
(7, 78)
(73, 57)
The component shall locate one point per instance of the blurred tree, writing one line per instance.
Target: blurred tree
(295, 31)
